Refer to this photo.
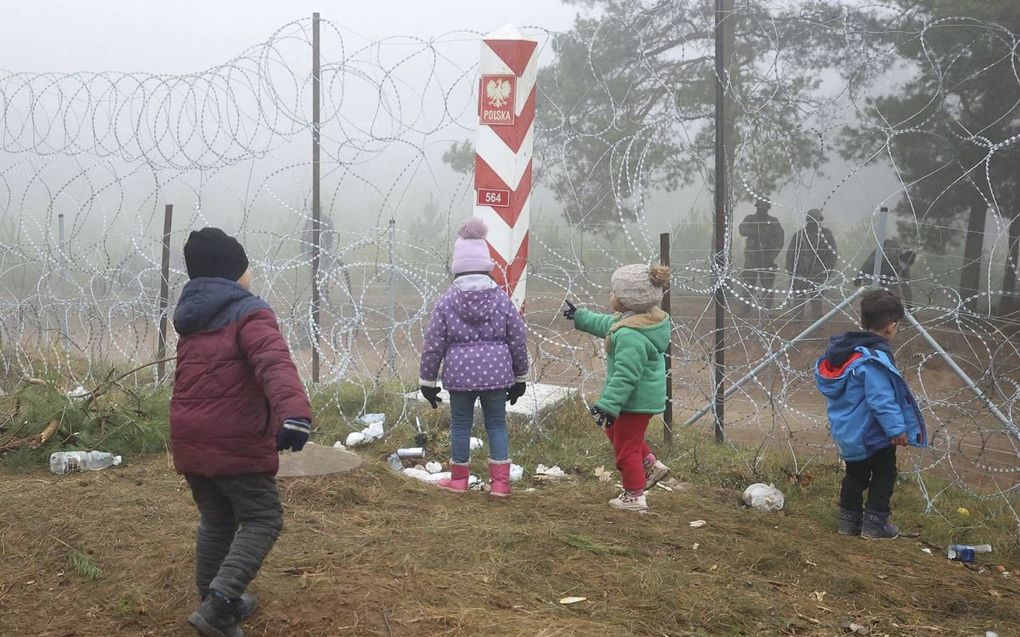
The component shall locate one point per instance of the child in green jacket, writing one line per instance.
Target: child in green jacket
(635, 390)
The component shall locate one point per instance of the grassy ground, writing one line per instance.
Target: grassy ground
(372, 553)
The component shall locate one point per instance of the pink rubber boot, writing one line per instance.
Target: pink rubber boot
(458, 480)
(499, 478)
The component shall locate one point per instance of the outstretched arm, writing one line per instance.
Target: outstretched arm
(593, 323)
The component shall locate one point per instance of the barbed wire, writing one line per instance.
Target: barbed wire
(88, 159)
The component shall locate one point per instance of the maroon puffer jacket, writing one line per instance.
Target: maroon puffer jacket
(235, 383)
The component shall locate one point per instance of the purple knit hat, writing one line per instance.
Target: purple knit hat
(470, 252)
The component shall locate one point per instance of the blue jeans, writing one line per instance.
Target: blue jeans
(462, 417)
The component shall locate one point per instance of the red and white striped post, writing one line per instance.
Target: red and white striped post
(503, 152)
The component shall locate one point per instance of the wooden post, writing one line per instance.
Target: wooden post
(164, 291)
(667, 307)
(316, 202)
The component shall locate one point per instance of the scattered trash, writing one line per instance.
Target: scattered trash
(476, 443)
(566, 601)
(966, 553)
(926, 550)
(64, 462)
(549, 473)
(425, 476)
(1000, 569)
(420, 437)
(763, 497)
(79, 393)
(516, 472)
(394, 463)
(339, 445)
(695, 547)
(697, 524)
(857, 629)
(433, 467)
(664, 486)
(991, 633)
(411, 452)
(373, 430)
(603, 475)
(818, 596)
(883, 577)
(963, 512)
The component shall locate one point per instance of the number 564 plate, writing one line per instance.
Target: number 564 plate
(494, 198)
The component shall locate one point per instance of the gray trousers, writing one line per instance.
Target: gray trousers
(240, 519)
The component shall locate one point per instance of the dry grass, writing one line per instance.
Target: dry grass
(370, 553)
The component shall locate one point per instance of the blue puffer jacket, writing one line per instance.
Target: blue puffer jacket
(868, 399)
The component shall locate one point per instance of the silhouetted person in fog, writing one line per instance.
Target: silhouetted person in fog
(764, 241)
(810, 259)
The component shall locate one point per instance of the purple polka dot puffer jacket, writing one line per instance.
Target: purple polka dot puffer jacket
(479, 338)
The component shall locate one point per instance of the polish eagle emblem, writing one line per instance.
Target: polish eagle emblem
(498, 92)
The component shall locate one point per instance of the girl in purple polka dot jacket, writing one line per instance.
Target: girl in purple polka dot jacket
(479, 339)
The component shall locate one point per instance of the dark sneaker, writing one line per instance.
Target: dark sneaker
(217, 616)
(878, 527)
(850, 522)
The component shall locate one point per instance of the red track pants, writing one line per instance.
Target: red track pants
(628, 437)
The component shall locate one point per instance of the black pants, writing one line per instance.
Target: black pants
(240, 519)
(876, 474)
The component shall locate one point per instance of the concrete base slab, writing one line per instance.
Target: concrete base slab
(316, 460)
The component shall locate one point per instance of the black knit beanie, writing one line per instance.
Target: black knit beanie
(210, 252)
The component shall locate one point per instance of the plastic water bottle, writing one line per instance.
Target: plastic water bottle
(966, 553)
(394, 462)
(64, 462)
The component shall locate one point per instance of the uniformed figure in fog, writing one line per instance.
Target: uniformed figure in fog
(764, 241)
(810, 259)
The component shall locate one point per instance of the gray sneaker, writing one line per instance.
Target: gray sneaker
(217, 616)
(850, 522)
(878, 527)
(246, 606)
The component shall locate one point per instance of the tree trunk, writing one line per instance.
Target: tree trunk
(973, 251)
(1008, 303)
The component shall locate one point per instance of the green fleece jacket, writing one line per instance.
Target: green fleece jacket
(635, 366)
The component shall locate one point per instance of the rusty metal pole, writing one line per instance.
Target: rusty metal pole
(667, 307)
(316, 202)
(164, 291)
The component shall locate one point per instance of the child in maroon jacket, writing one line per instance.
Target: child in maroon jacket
(237, 400)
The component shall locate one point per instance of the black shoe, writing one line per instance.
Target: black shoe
(217, 616)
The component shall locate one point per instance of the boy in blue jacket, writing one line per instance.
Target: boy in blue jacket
(871, 412)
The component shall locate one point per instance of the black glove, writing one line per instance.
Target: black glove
(570, 311)
(293, 435)
(602, 419)
(515, 392)
(431, 394)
